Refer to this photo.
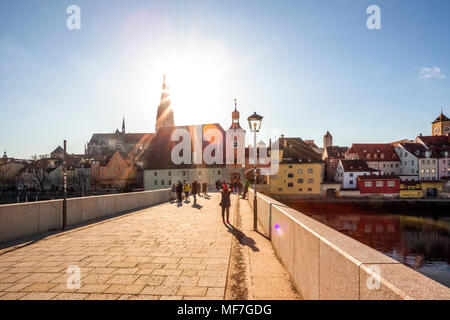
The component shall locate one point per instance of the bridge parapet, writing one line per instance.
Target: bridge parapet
(326, 264)
(28, 219)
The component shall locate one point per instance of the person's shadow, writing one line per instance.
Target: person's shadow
(242, 238)
(197, 206)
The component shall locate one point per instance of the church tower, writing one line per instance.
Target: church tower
(327, 140)
(235, 115)
(164, 115)
(123, 125)
(441, 126)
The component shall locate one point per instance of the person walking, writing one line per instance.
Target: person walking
(187, 189)
(218, 185)
(195, 189)
(246, 185)
(225, 202)
(205, 188)
(173, 192)
(179, 190)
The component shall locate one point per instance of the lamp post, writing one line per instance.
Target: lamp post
(254, 121)
(64, 226)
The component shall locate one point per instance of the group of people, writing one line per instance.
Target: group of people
(184, 189)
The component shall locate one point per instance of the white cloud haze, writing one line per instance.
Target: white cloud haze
(431, 73)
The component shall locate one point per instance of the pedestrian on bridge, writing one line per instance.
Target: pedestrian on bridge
(195, 189)
(179, 191)
(205, 188)
(225, 202)
(187, 189)
(173, 192)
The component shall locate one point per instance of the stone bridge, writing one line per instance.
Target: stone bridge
(166, 251)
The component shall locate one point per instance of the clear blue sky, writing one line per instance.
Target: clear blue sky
(306, 66)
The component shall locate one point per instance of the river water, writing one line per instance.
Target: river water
(418, 238)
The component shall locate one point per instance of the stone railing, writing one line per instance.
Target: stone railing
(326, 264)
(28, 219)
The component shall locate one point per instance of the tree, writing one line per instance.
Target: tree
(39, 174)
(4, 169)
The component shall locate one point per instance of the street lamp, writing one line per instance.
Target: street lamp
(254, 121)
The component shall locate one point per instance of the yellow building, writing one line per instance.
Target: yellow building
(300, 173)
(411, 189)
(432, 189)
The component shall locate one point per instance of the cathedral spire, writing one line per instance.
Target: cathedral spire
(164, 115)
(123, 125)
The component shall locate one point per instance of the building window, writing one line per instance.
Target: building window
(310, 170)
(380, 184)
(170, 182)
(310, 180)
(368, 184)
(156, 173)
(290, 175)
(156, 182)
(290, 166)
(300, 170)
(290, 184)
(351, 181)
(309, 189)
(162, 182)
(351, 174)
(170, 174)
(184, 173)
(300, 180)
(199, 173)
(433, 170)
(391, 184)
(300, 189)
(218, 172)
(280, 189)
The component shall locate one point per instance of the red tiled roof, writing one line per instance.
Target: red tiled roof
(379, 177)
(356, 166)
(336, 152)
(374, 151)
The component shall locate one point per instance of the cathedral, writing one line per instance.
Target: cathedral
(132, 144)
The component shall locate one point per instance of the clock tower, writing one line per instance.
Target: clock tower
(441, 126)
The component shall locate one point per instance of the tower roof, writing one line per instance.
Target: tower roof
(235, 115)
(164, 115)
(328, 134)
(441, 118)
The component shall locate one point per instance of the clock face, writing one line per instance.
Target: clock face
(436, 130)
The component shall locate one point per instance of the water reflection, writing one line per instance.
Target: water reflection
(420, 241)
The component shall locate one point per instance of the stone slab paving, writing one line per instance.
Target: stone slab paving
(164, 252)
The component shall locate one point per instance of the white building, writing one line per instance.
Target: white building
(348, 170)
(379, 156)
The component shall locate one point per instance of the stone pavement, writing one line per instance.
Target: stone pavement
(163, 252)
